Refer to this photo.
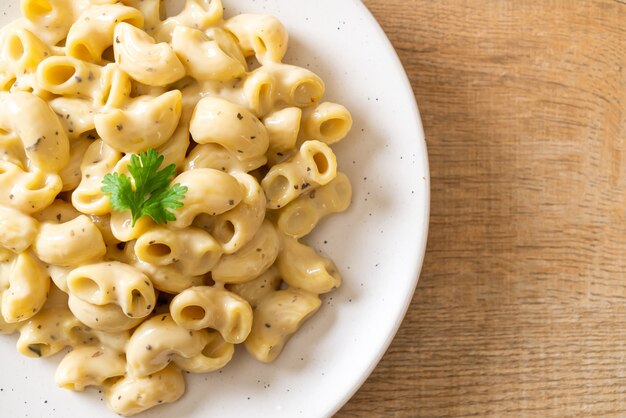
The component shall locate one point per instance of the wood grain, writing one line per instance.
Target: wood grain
(521, 306)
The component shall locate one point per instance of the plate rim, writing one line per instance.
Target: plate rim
(423, 228)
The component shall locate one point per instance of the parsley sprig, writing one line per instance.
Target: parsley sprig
(152, 195)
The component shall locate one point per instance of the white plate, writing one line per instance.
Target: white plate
(378, 245)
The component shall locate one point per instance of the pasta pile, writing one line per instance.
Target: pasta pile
(85, 85)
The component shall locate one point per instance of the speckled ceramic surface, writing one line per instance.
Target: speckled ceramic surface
(378, 245)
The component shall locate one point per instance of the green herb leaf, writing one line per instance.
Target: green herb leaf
(152, 195)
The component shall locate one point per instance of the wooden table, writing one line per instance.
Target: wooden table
(521, 306)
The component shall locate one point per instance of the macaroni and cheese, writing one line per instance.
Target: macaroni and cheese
(85, 87)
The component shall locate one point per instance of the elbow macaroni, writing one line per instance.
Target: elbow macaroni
(28, 289)
(327, 122)
(213, 55)
(283, 127)
(146, 61)
(50, 19)
(193, 251)
(27, 191)
(314, 165)
(147, 122)
(89, 366)
(99, 159)
(301, 216)
(44, 139)
(198, 14)
(276, 318)
(293, 86)
(48, 332)
(132, 395)
(160, 341)
(107, 318)
(72, 243)
(261, 35)
(235, 228)
(209, 191)
(258, 289)
(17, 230)
(166, 278)
(234, 127)
(302, 268)
(84, 84)
(92, 33)
(208, 307)
(250, 261)
(22, 51)
(115, 283)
